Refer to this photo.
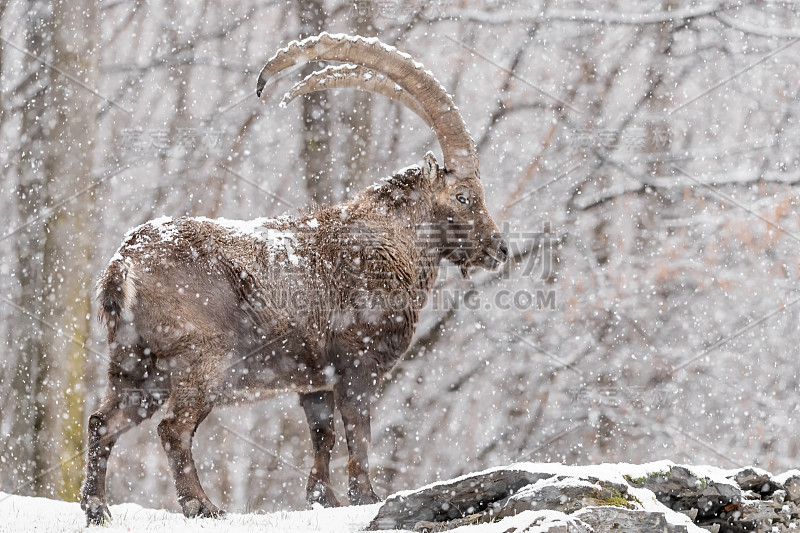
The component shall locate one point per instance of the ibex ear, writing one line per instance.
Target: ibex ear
(430, 168)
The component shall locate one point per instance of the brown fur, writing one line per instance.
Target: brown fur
(200, 315)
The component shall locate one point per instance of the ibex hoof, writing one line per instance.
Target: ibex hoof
(363, 499)
(96, 510)
(323, 495)
(194, 507)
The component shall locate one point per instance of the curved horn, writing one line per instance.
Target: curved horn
(355, 77)
(457, 146)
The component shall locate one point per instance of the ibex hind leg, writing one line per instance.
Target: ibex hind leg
(129, 399)
(188, 407)
(319, 408)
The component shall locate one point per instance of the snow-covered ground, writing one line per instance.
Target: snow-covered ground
(529, 497)
(22, 514)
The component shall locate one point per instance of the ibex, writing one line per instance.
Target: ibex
(203, 312)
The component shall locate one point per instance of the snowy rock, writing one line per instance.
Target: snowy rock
(754, 479)
(565, 494)
(684, 488)
(656, 497)
(452, 500)
(790, 481)
(614, 519)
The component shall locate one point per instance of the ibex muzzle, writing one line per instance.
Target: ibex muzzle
(202, 312)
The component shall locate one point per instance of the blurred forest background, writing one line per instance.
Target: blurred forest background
(643, 159)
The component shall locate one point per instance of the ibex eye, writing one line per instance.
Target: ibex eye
(462, 198)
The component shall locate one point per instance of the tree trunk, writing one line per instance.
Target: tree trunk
(68, 244)
(31, 369)
(316, 150)
(359, 120)
(55, 250)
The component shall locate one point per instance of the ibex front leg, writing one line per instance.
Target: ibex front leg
(353, 400)
(319, 408)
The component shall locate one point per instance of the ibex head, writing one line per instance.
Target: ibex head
(465, 233)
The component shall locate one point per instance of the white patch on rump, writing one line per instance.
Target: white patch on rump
(129, 295)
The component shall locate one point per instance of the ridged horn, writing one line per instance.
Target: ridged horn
(457, 146)
(355, 77)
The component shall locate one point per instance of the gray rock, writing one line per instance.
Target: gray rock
(757, 480)
(792, 487)
(600, 499)
(617, 520)
(449, 501)
(566, 495)
(756, 512)
(680, 489)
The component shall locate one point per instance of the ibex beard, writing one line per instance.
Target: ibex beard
(202, 313)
